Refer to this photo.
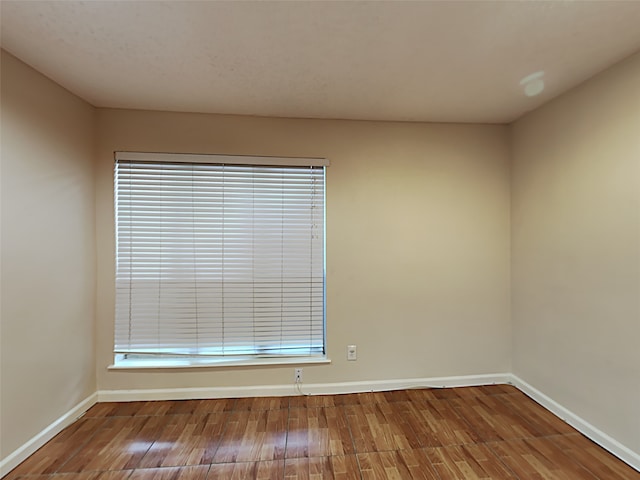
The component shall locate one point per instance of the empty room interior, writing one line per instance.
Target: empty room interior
(430, 211)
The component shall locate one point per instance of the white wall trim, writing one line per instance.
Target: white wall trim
(21, 453)
(605, 441)
(284, 390)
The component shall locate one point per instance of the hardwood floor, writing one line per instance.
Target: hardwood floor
(489, 432)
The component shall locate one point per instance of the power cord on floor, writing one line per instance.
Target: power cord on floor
(298, 387)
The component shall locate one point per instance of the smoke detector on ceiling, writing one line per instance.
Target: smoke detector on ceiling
(533, 84)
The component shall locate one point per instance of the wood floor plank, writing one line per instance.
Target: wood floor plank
(216, 405)
(119, 445)
(498, 389)
(492, 420)
(111, 409)
(58, 450)
(338, 467)
(171, 473)
(160, 407)
(318, 432)
(437, 423)
(456, 392)
(128, 409)
(253, 435)
(394, 396)
(462, 462)
(364, 398)
(186, 440)
(539, 458)
(261, 403)
(312, 401)
(104, 475)
(594, 458)
(422, 394)
(265, 470)
(545, 422)
(477, 391)
(376, 428)
(398, 464)
(156, 407)
(183, 407)
(107, 475)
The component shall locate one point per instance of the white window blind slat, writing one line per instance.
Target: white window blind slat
(219, 259)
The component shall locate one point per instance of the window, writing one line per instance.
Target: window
(219, 257)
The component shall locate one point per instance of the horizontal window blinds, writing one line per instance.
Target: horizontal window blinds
(219, 259)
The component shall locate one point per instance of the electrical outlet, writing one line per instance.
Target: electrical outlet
(297, 375)
(352, 353)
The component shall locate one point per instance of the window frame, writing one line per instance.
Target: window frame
(133, 361)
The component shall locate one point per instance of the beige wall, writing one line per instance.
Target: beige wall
(576, 251)
(48, 253)
(417, 242)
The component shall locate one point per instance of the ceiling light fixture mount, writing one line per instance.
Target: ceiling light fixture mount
(533, 84)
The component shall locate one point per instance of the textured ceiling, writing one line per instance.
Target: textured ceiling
(451, 61)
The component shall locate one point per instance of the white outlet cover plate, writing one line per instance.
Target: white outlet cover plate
(352, 352)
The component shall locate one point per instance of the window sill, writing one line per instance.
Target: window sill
(180, 363)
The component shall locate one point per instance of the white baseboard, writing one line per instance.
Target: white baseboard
(605, 441)
(20, 454)
(284, 390)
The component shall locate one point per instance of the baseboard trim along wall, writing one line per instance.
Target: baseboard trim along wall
(599, 437)
(605, 441)
(286, 390)
(20, 454)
